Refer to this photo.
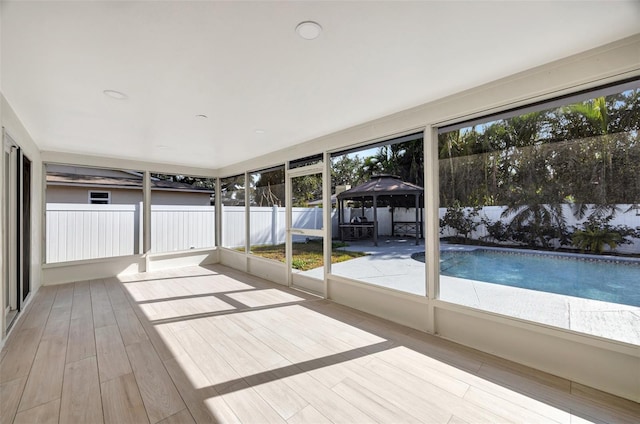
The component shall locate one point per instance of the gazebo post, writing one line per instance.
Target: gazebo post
(393, 209)
(340, 218)
(422, 222)
(417, 216)
(375, 220)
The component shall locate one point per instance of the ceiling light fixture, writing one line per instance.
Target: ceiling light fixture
(260, 131)
(202, 116)
(309, 30)
(115, 94)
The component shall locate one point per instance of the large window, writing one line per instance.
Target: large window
(267, 213)
(377, 226)
(540, 215)
(182, 212)
(232, 194)
(92, 213)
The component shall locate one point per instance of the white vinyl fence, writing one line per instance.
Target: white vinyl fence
(494, 213)
(77, 231)
(267, 224)
(182, 227)
(80, 231)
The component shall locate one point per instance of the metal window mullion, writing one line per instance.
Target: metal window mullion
(288, 244)
(218, 214)
(431, 205)
(247, 218)
(146, 212)
(326, 221)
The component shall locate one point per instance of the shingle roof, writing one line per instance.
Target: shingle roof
(59, 178)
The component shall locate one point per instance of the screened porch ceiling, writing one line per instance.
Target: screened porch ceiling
(259, 85)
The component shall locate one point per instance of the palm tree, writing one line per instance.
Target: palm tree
(539, 222)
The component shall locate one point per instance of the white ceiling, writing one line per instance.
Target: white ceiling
(243, 66)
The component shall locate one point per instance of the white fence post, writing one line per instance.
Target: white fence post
(223, 226)
(274, 225)
(139, 222)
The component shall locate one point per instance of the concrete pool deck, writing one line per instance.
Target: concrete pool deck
(390, 265)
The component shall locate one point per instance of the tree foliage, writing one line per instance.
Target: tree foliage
(306, 189)
(347, 170)
(232, 190)
(585, 154)
(267, 188)
(461, 220)
(195, 182)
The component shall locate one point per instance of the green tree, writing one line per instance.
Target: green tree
(195, 182)
(406, 160)
(268, 188)
(347, 169)
(306, 189)
(232, 190)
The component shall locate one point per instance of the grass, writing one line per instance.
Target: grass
(306, 256)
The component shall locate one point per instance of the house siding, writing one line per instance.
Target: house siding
(67, 194)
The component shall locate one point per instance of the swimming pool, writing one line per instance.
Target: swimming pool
(610, 280)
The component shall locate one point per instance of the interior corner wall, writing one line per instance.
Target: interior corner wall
(14, 127)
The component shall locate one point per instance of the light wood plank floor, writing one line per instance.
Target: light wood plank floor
(210, 344)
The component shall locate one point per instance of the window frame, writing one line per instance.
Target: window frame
(561, 100)
(91, 198)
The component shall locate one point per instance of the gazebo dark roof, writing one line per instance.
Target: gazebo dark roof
(381, 185)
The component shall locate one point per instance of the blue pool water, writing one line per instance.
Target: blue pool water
(572, 275)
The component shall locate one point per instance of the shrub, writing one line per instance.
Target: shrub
(596, 233)
(461, 220)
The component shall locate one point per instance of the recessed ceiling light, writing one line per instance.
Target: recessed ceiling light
(260, 131)
(309, 30)
(161, 146)
(202, 116)
(115, 94)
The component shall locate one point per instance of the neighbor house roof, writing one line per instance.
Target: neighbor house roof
(97, 181)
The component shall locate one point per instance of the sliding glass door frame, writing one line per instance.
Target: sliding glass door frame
(16, 220)
(293, 279)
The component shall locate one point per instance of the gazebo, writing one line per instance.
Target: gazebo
(381, 187)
